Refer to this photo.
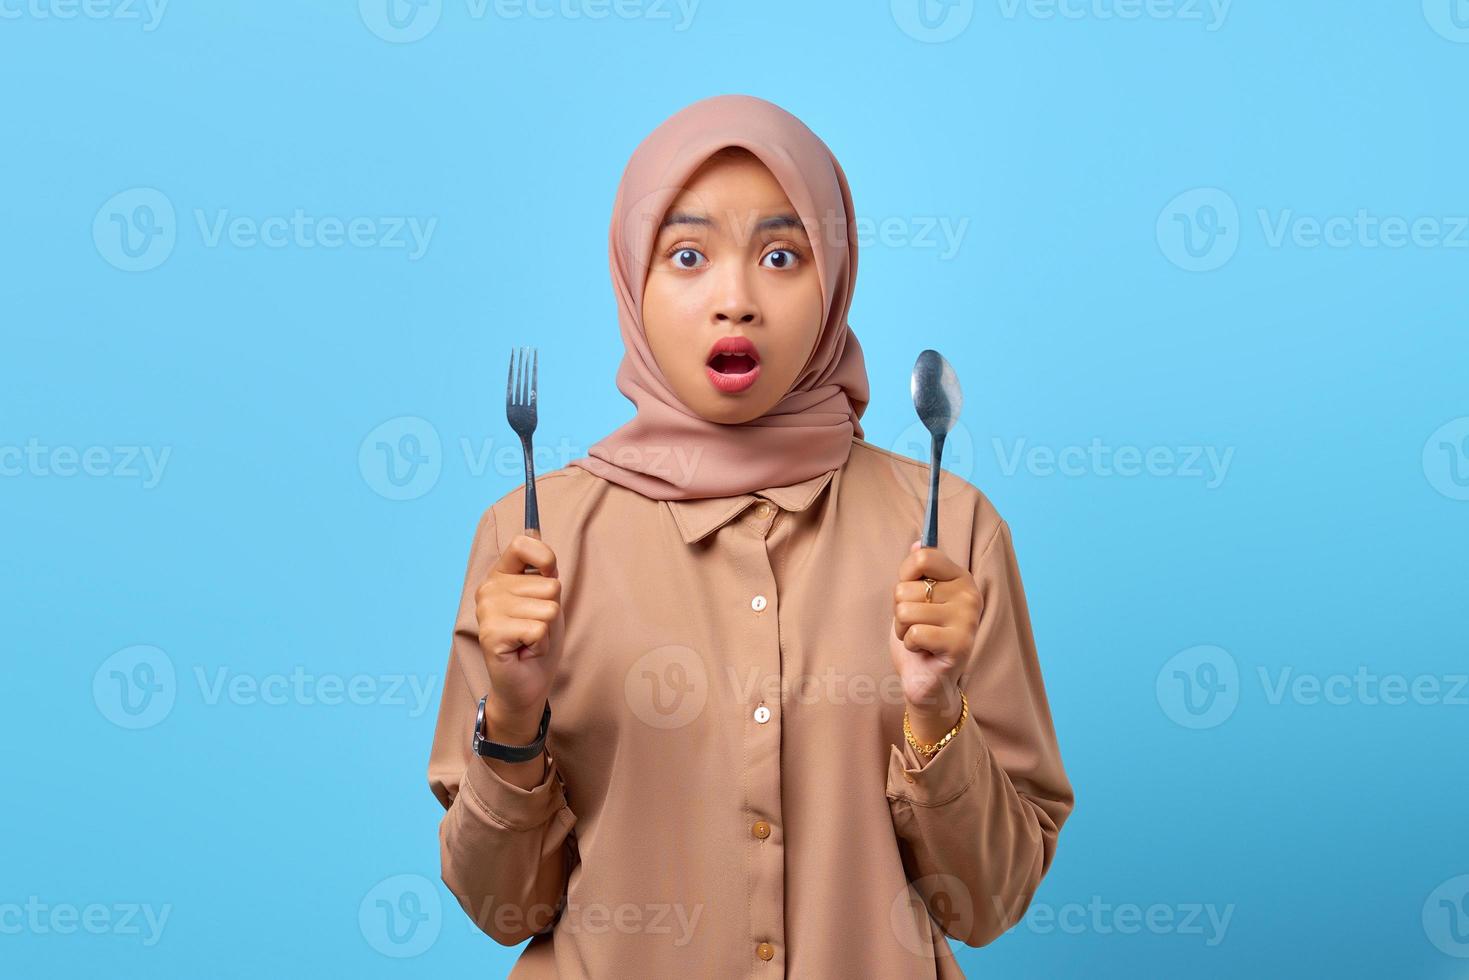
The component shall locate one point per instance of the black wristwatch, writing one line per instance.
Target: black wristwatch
(508, 753)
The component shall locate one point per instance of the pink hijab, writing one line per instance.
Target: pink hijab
(667, 451)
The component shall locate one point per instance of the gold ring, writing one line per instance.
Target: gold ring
(928, 584)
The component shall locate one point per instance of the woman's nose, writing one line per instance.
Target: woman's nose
(732, 313)
(735, 302)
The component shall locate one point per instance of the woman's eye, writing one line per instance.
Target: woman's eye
(783, 258)
(688, 258)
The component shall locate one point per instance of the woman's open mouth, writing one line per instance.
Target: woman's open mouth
(733, 364)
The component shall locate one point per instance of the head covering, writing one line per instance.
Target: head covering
(667, 451)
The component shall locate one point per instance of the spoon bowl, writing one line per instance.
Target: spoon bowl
(937, 399)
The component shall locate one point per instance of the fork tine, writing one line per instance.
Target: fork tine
(535, 360)
(510, 380)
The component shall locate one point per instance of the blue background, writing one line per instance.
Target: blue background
(1086, 303)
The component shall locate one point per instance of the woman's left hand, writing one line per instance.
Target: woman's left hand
(931, 641)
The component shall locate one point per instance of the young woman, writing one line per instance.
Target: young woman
(785, 740)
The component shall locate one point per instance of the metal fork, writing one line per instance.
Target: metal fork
(520, 409)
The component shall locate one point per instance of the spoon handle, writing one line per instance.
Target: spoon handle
(931, 525)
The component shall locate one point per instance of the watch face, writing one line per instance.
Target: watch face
(479, 726)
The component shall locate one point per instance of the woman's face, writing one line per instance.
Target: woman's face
(732, 265)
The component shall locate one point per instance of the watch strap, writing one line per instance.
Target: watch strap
(508, 753)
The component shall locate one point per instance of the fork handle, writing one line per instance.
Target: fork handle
(532, 532)
(532, 506)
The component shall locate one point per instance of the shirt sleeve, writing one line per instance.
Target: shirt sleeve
(505, 852)
(977, 823)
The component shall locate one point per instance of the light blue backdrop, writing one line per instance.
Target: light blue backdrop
(1201, 268)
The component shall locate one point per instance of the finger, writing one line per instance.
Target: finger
(531, 586)
(930, 562)
(525, 607)
(512, 634)
(913, 613)
(524, 550)
(929, 639)
(916, 590)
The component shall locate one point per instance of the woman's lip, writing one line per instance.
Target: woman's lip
(732, 383)
(734, 344)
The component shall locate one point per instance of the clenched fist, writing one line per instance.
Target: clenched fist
(520, 631)
(931, 641)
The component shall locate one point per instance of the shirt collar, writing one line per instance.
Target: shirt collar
(697, 518)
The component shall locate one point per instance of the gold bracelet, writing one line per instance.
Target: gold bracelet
(933, 749)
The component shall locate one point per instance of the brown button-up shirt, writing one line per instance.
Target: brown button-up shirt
(728, 792)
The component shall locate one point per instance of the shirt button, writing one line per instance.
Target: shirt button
(758, 603)
(765, 951)
(762, 714)
(908, 776)
(761, 829)
(764, 510)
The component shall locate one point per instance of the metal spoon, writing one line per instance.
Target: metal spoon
(937, 399)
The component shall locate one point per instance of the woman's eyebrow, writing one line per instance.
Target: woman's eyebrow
(681, 218)
(780, 221)
(776, 222)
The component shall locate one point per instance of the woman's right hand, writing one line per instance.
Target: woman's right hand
(520, 631)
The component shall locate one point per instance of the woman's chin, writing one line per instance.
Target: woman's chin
(731, 409)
